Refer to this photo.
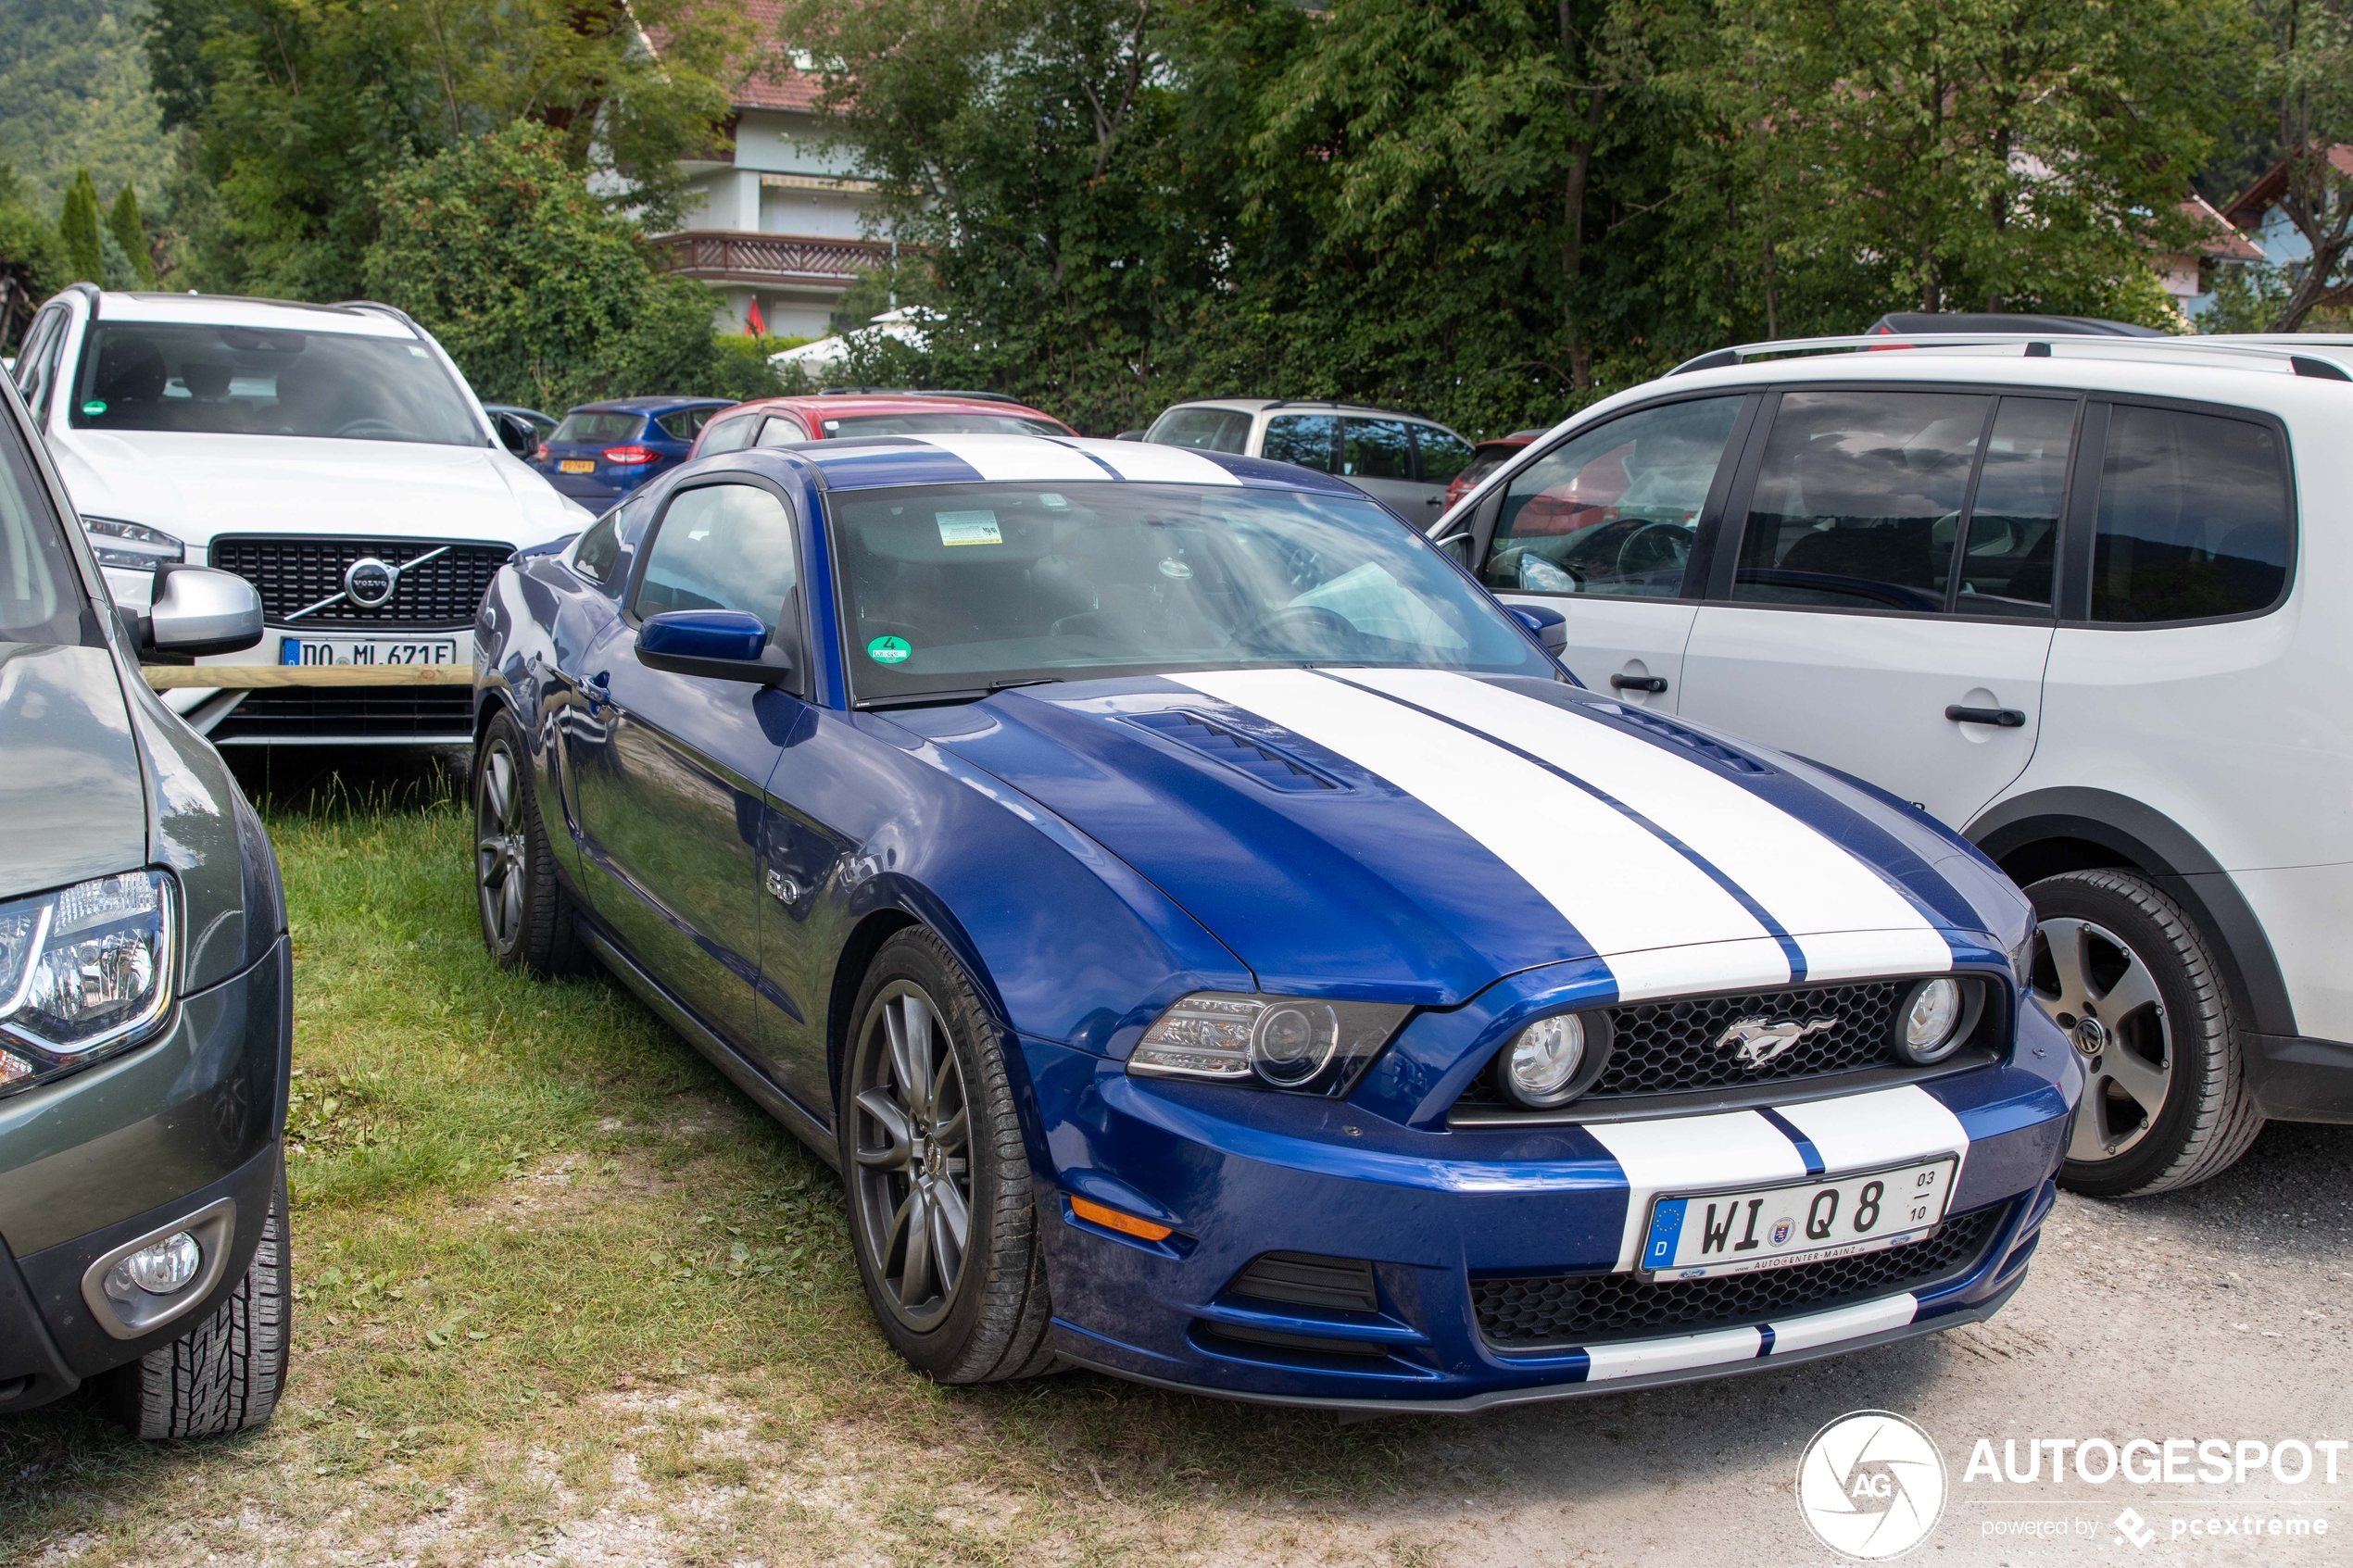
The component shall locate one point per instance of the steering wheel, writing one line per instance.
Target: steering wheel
(370, 430)
(1316, 622)
(1654, 546)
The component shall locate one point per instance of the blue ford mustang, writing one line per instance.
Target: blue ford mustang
(1219, 945)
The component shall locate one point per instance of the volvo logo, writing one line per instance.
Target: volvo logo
(1754, 1041)
(369, 583)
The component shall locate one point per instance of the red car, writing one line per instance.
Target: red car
(1486, 458)
(778, 421)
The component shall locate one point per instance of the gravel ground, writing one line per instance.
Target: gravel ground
(2218, 1313)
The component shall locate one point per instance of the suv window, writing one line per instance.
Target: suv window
(2014, 514)
(594, 427)
(731, 435)
(1612, 510)
(1858, 501)
(1376, 449)
(37, 360)
(40, 595)
(1304, 439)
(684, 424)
(1441, 453)
(2192, 519)
(1206, 430)
(722, 546)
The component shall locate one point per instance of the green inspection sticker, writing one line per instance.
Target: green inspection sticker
(888, 650)
(93, 408)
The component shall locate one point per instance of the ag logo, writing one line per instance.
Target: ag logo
(1872, 1486)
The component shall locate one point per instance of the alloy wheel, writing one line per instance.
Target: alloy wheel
(2101, 992)
(502, 850)
(912, 1145)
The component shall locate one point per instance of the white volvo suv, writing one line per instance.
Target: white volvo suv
(2077, 599)
(332, 456)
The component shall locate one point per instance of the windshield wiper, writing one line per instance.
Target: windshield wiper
(967, 693)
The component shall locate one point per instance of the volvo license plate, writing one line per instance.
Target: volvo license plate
(1699, 1234)
(367, 650)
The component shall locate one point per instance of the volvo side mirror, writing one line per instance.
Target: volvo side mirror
(199, 611)
(725, 645)
(516, 435)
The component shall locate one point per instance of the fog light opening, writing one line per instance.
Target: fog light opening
(1554, 1060)
(1928, 1024)
(162, 1268)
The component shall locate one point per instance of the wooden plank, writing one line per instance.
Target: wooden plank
(248, 677)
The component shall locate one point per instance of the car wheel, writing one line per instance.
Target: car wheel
(942, 1212)
(2131, 979)
(528, 920)
(224, 1374)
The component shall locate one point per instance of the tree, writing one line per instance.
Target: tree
(125, 226)
(78, 228)
(2307, 81)
(539, 292)
(32, 260)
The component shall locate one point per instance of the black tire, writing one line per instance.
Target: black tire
(2132, 980)
(527, 918)
(224, 1374)
(981, 1314)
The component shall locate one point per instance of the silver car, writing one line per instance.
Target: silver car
(1401, 460)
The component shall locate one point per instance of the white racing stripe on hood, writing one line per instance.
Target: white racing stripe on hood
(1847, 920)
(1017, 460)
(1623, 889)
(1168, 465)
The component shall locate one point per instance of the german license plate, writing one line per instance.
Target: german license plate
(576, 465)
(1736, 1233)
(367, 650)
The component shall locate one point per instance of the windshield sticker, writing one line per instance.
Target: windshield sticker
(93, 408)
(968, 528)
(1172, 566)
(890, 650)
(1047, 498)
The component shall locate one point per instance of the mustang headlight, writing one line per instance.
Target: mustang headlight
(134, 545)
(1300, 1043)
(84, 972)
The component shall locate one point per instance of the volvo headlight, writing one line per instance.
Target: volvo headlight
(1298, 1043)
(84, 972)
(133, 545)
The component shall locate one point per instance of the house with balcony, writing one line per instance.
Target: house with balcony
(774, 222)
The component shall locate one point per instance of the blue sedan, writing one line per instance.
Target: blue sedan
(1220, 947)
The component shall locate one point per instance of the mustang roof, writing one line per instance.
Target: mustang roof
(870, 462)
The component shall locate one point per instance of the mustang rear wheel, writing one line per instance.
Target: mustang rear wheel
(526, 915)
(942, 1214)
(2129, 977)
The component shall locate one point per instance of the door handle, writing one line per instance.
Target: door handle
(1651, 684)
(2000, 718)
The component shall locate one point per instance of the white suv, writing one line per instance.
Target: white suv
(331, 455)
(2077, 599)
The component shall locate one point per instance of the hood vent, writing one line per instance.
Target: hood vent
(1234, 749)
(1716, 751)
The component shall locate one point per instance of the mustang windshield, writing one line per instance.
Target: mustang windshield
(246, 381)
(958, 588)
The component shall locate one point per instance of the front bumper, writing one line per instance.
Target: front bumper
(1240, 1174)
(98, 1159)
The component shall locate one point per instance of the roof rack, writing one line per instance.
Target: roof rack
(2034, 345)
(916, 392)
(1341, 403)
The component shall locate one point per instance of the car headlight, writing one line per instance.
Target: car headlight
(1302, 1044)
(1932, 1021)
(133, 545)
(84, 972)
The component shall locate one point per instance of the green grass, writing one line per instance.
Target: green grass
(558, 1282)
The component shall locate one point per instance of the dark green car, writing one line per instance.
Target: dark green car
(146, 1013)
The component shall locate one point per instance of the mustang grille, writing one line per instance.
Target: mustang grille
(1579, 1309)
(438, 595)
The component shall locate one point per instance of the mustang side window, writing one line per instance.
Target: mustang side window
(1612, 510)
(722, 546)
(1859, 503)
(2192, 519)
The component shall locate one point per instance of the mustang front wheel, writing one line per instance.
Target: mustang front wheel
(941, 1209)
(526, 917)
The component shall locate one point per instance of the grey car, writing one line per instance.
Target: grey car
(145, 1009)
(1401, 460)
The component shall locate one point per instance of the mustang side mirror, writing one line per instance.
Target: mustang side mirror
(1550, 625)
(1130, 436)
(516, 435)
(199, 611)
(726, 645)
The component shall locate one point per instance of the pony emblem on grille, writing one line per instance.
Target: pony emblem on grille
(1754, 1041)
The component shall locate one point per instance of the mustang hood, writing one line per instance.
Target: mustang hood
(196, 486)
(70, 790)
(1417, 835)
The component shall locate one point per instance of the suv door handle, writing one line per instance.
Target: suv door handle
(2001, 718)
(1651, 684)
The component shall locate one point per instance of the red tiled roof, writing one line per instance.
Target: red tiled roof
(2221, 241)
(769, 81)
(2259, 199)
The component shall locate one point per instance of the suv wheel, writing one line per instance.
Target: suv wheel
(942, 1216)
(526, 914)
(2130, 978)
(224, 1374)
